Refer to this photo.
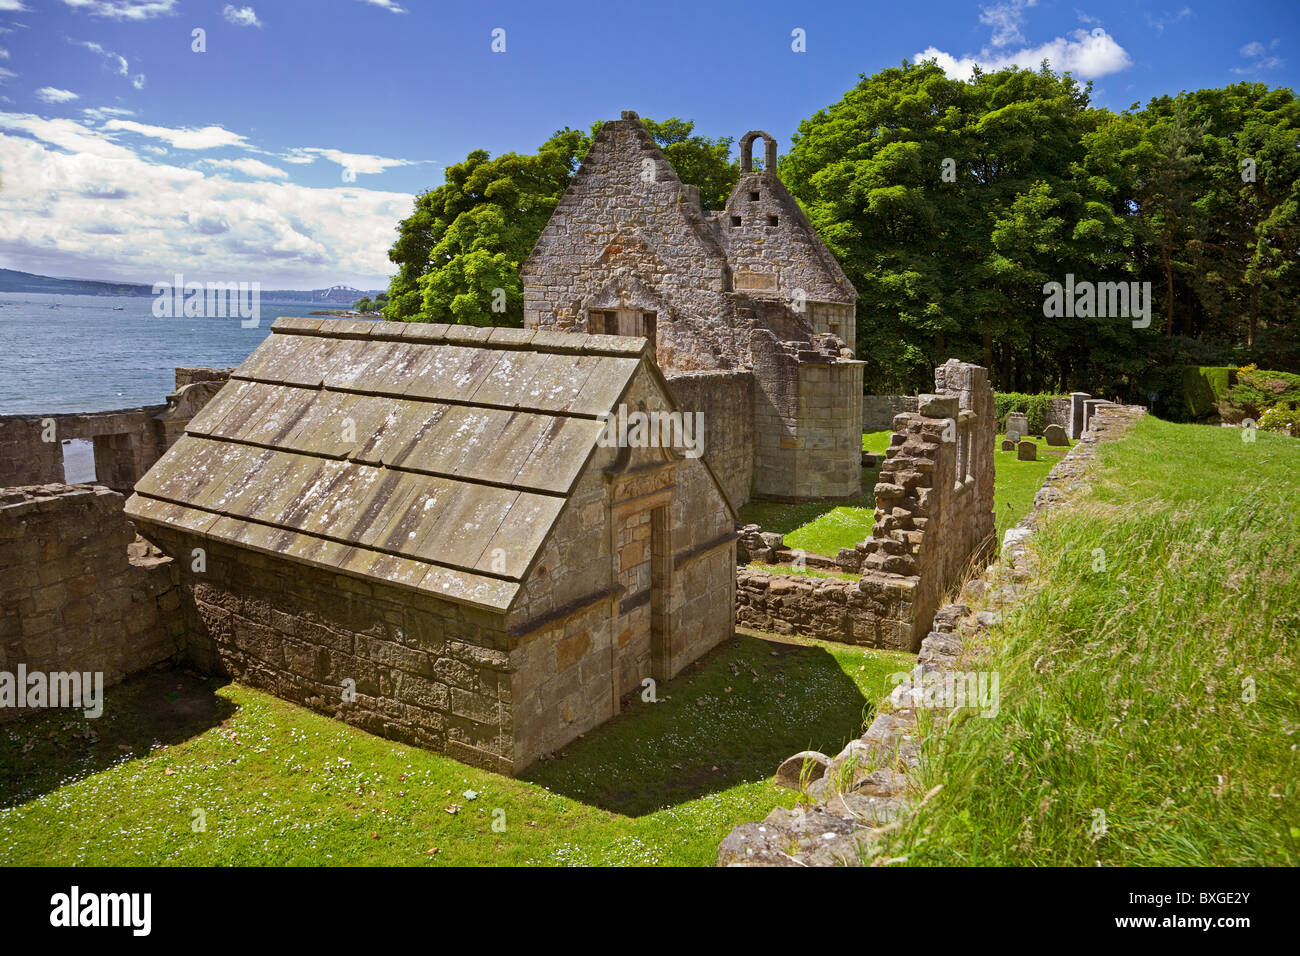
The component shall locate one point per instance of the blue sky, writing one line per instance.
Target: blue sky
(287, 151)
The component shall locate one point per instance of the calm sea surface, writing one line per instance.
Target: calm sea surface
(75, 353)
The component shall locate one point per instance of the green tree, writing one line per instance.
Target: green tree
(909, 177)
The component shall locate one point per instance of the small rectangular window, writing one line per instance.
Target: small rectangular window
(771, 220)
(735, 220)
(753, 197)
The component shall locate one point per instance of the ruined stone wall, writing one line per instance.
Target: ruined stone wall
(808, 406)
(77, 590)
(828, 609)
(878, 411)
(934, 500)
(727, 401)
(189, 374)
(934, 518)
(127, 441)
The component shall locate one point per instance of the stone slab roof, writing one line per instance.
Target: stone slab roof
(406, 452)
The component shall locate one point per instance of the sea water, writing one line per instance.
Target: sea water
(78, 353)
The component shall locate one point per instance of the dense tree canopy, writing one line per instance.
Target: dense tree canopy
(950, 205)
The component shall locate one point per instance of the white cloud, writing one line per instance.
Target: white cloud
(12, 6)
(209, 137)
(1006, 19)
(124, 9)
(1260, 57)
(1086, 54)
(101, 113)
(1159, 23)
(389, 5)
(249, 167)
(52, 94)
(78, 203)
(240, 16)
(359, 163)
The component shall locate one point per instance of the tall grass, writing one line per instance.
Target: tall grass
(1150, 696)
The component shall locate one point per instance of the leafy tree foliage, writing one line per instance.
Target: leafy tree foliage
(950, 204)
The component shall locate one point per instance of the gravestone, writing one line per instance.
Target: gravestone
(1008, 444)
(1017, 423)
(1026, 451)
(1055, 436)
(1076, 413)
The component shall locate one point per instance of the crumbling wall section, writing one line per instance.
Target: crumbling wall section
(127, 441)
(878, 411)
(934, 518)
(78, 590)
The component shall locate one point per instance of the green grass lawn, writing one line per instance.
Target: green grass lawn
(1016, 482)
(876, 442)
(817, 526)
(277, 784)
(1151, 685)
(823, 528)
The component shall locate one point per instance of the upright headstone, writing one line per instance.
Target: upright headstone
(1026, 451)
(1076, 413)
(1017, 423)
(1090, 407)
(1008, 444)
(1055, 436)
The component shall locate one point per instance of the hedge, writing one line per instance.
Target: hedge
(1204, 387)
(1034, 406)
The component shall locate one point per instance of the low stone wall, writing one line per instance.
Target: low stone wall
(858, 795)
(829, 609)
(727, 400)
(879, 411)
(78, 591)
(127, 441)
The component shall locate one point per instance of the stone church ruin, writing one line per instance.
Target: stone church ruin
(426, 529)
(745, 304)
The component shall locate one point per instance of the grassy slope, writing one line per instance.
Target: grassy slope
(1122, 689)
(662, 783)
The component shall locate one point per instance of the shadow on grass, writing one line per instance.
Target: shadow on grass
(43, 751)
(730, 718)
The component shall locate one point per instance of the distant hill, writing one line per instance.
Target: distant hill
(14, 281)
